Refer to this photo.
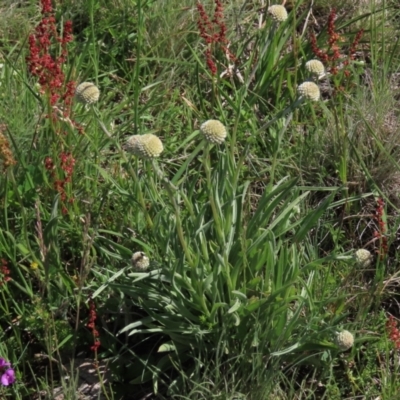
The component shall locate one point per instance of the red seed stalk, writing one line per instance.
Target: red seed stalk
(48, 56)
(67, 163)
(47, 67)
(4, 272)
(213, 33)
(334, 55)
(92, 326)
(393, 331)
(380, 233)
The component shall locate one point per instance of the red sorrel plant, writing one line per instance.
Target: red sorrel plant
(4, 272)
(393, 331)
(48, 56)
(44, 64)
(334, 55)
(6, 155)
(214, 34)
(67, 163)
(92, 326)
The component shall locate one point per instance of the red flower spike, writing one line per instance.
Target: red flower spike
(213, 33)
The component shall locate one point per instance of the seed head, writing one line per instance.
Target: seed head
(140, 262)
(214, 131)
(363, 257)
(315, 67)
(278, 13)
(344, 340)
(309, 90)
(87, 93)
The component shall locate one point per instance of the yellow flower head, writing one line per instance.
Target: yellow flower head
(34, 265)
(214, 131)
(87, 93)
(278, 13)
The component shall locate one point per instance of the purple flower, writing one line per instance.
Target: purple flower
(8, 374)
(8, 377)
(3, 363)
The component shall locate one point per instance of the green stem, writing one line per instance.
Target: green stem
(131, 172)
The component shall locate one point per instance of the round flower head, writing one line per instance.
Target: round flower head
(146, 146)
(309, 91)
(344, 340)
(278, 13)
(214, 131)
(363, 257)
(315, 67)
(140, 262)
(87, 93)
(132, 145)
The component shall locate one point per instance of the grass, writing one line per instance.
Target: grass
(251, 242)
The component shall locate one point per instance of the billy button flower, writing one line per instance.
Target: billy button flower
(87, 93)
(309, 91)
(363, 258)
(140, 262)
(278, 13)
(344, 340)
(214, 131)
(145, 146)
(316, 68)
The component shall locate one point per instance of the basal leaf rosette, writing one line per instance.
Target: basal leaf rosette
(214, 131)
(278, 13)
(87, 93)
(145, 146)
